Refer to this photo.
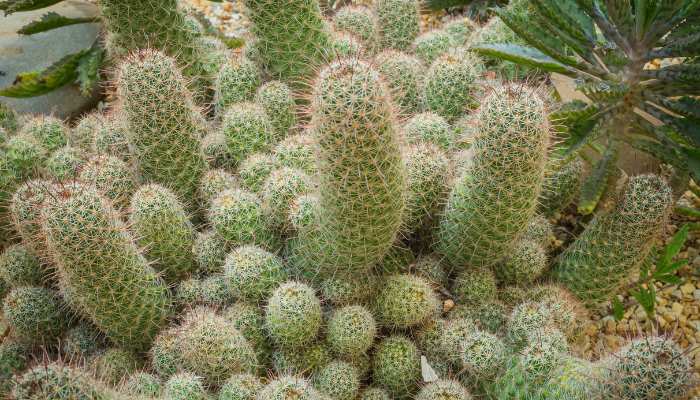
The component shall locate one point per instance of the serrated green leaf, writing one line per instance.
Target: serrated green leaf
(597, 182)
(693, 162)
(523, 55)
(674, 246)
(13, 6)
(647, 299)
(618, 309)
(688, 212)
(51, 21)
(669, 279)
(31, 84)
(89, 70)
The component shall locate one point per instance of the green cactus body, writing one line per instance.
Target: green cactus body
(240, 387)
(430, 127)
(351, 331)
(431, 268)
(255, 169)
(496, 31)
(185, 386)
(474, 286)
(482, 222)
(279, 191)
(50, 132)
(276, 99)
(595, 265)
(161, 224)
(292, 39)
(216, 151)
(54, 381)
(306, 362)
(216, 181)
(114, 364)
(344, 44)
(403, 74)
(358, 21)
(20, 266)
(374, 393)
(396, 366)
(161, 25)
(97, 259)
(430, 45)
(293, 315)
(236, 82)
(561, 185)
(164, 126)
(82, 136)
(112, 138)
(36, 314)
(248, 130)
(287, 388)
(25, 209)
(362, 178)
(249, 320)
(428, 186)
(460, 30)
(398, 23)
(111, 176)
(405, 301)
(574, 379)
(209, 250)
(449, 88)
(526, 263)
(443, 390)
(143, 384)
(238, 217)
(297, 151)
(64, 163)
(81, 342)
(13, 359)
(25, 156)
(338, 380)
(252, 273)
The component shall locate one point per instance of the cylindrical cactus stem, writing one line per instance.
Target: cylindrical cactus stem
(595, 265)
(493, 201)
(362, 176)
(292, 39)
(99, 262)
(398, 23)
(164, 126)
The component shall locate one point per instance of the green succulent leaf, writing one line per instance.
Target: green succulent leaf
(89, 69)
(443, 4)
(618, 309)
(51, 20)
(522, 55)
(597, 182)
(646, 298)
(37, 83)
(13, 6)
(674, 247)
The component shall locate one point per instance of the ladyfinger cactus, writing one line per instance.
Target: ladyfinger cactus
(252, 273)
(403, 74)
(248, 130)
(449, 89)
(64, 163)
(100, 264)
(163, 228)
(396, 366)
(405, 301)
(164, 125)
(36, 315)
(111, 176)
(276, 99)
(293, 315)
(238, 217)
(398, 23)
(595, 266)
(482, 222)
(236, 82)
(339, 380)
(351, 331)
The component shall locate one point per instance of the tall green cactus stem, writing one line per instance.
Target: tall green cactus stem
(449, 89)
(161, 25)
(594, 267)
(358, 21)
(25, 208)
(107, 276)
(236, 82)
(276, 99)
(396, 366)
(483, 221)
(164, 125)
(362, 177)
(403, 74)
(398, 23)
(111, 176)
(163, 228)
(561, 185)
(54, 381)
(292, 39)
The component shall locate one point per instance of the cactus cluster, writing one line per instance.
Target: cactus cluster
(349, 208)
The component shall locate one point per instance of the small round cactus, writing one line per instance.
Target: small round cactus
(350, 331)
(545, 349)
(143, 384)
(288, 388)
(374, 393)
(443, 390)
(20, 266)
(113, 365)
(279, 190)
(396, 366)
(339, 380)
(526, 263)
(276, 99)
(403, 74)
(216, 181)
(64, 163)
(81, 342)
(358, 21)
(474, 286)
(454, 332)
(25, 209)
(35, 314)
(185, 386)
(449, 84)
(209, 250)
(82, 136)
(430, 127)
(293, 315)
(25, 156)
(297, 151)
(398, 23)
(240, 387)
(255, 169)
(540, 230)
(431, 268)
(430, 45)
(165, 354)
(525, 319)
(343, 290)
(112, 138)
(252, 273)
(111, 176)
(55, 381)
(405, 301)
(50, 132)
(238, 217)
(307, 361)
(428, 186)
(460, 30)
(162, 226)
(248, 130)
(482, 354)
(236, 82)
(216, 152)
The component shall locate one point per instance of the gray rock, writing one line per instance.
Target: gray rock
(19, 53)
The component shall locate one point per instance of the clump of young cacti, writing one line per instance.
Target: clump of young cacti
(595, 265)
(279, 191)
(449, 86)
(403, 74)
(297, 151)
(163, 124)
(396, 366)
(236, 82)
(35, 314)
(255, 169)
(97, 258)
(293, 315)
(398, 23)
(481, 222)
(248, 130)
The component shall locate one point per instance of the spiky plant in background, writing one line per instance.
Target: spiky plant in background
(398, 23)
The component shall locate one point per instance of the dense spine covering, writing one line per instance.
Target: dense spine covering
(362, 177)
(398, 23)
(164, 126)
(111, 176)
(276, 98)
(163, 228)
(396, 366)
(293, 315)
(236, 82)
(430, 45)
(358, 21)
(481, 221)
(339, 380)
(98, 261)
(403, 74)
(351, 331)
(561, 185)
(238, 217)
(20, 266)
(405, 301)
(248, 130)
(36, 314)
(252, 273)
(292, 39)
(54, 381)
(448, 88)
(595, 265)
